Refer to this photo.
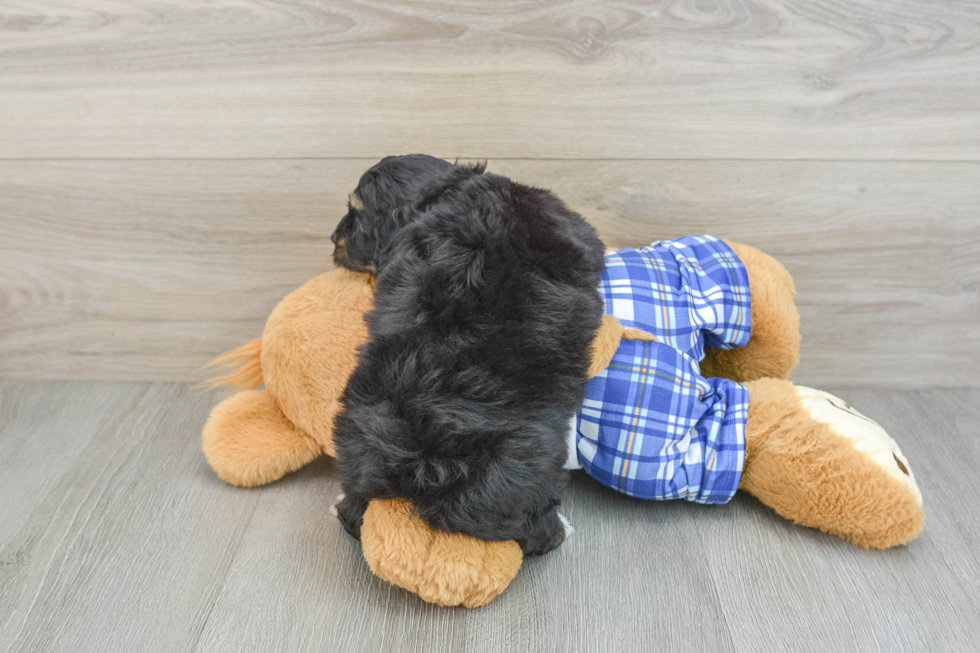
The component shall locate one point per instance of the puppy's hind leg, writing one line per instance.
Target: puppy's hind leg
(350, 511)
(544, 533)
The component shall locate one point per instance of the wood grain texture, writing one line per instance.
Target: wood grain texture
(42, 434)
(300, 565)
(776, 79)
(135, 546)
(144, 270)
(922, 597)
(128, 550)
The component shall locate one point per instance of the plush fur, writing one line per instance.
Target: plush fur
(243, 367)
(812, 475)
(479, 344)
(256, 437)
(249, 441)
(441, 567)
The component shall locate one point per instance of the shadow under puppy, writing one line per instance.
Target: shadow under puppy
(486, 304)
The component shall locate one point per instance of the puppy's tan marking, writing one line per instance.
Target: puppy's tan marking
(355, 201)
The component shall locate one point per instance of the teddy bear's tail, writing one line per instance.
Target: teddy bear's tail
(243, 366)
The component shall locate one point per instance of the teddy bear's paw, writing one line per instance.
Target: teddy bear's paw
(819, 462)
(865, 434)
(443, 568)
(248, 441)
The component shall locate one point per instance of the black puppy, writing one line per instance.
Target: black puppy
(485, 307)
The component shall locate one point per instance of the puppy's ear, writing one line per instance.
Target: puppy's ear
(374, 230)
(479, 167)
(358, 250)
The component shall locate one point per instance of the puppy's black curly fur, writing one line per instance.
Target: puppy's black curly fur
(380, 205)
(485, 307)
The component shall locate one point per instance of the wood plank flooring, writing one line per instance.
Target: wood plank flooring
(116, 536)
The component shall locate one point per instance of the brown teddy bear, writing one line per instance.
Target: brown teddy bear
(805, 453)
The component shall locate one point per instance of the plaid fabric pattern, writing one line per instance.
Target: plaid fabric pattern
(650, 425)
(689, 292)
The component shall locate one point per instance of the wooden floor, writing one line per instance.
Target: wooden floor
(116, 536)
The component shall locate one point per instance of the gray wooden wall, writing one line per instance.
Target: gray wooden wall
(168, 171)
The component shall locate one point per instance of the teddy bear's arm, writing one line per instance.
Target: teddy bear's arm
(443, 568)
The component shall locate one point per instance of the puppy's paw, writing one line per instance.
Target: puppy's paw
(545, 534)
(350, 512)
(567, 525)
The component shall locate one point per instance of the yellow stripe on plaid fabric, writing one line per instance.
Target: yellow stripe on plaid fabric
(661, 286)
(655, 372)
(636, 416)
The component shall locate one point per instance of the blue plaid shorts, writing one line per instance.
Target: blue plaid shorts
(651, 426)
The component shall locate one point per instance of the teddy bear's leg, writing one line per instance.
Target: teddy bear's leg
(774, 347)
(443, 568)
(248, 441)
(820, 463)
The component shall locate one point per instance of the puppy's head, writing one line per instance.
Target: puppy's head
(380, 205)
